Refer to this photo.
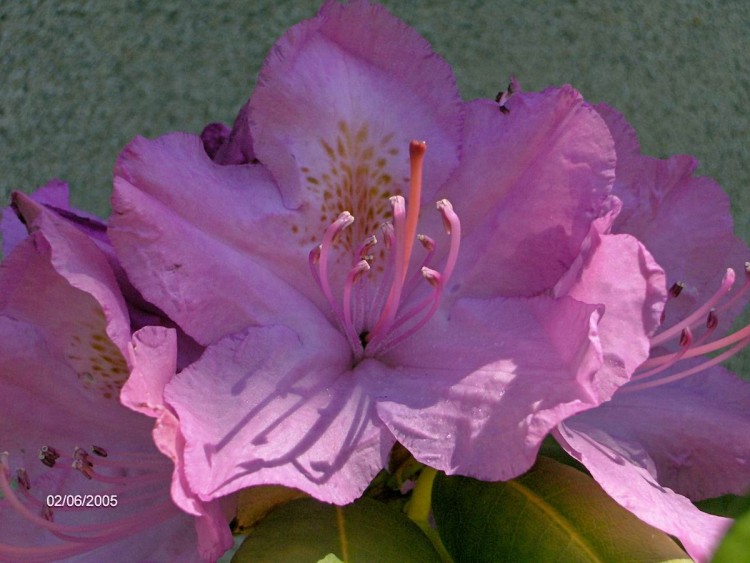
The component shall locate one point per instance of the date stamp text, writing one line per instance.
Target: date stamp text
(81, 501)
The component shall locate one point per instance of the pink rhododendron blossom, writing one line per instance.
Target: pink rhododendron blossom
(679, 429)
(354, 288)
(65, 437)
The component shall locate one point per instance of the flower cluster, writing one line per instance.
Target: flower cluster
(365, 260)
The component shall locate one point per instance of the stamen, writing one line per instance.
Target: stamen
(101, 452)
(355, 274)
(47, 514)
(726, 284)
(82, 455)
(371, 314)
(712, 321)
(394, 295)
(676, 289)
(429, 245)
(686, 340)
(740, 336)
(79, 539)
(690, 347)
(435, 279)
(690, 371)
(738, 294)
(23, 479)
(48, 456)
(453, 228)
(84, 468)
(344, 220)
(363, 252)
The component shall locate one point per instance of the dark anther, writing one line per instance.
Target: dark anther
(49, 462)
(84, 467)
(363, 338)
(713, 319)
(47, 514)
(686, 338)
(101, 452)
(79, 454)
(48, 455)
(676, 289)
(23, 479)
(49, 451)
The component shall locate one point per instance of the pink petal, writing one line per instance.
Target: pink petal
(626, 472)
(476, 392)
(43, 403)
(213, 136)
(332, 114)
(529, 185)
(59, 300)
(695, 430)
(153, 357)
(54, 192)
(271, 406)
(180, 220)
(56, 278)
(618, 272)
(683, 220)
(238, 148)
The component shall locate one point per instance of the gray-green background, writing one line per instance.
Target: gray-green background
(79, 79)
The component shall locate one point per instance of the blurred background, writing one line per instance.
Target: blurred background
(79, 79)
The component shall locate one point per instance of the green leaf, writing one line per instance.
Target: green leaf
(330, 558)
(730, 506)
(254, 504)
(307, 530)
(552, 513)
(735, 547)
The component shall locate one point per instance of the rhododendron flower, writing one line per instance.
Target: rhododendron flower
(351, 292)
(679, 429)
(65, 438)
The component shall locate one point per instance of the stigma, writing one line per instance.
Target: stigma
(384, 296)
(693, 336)
(107, 497)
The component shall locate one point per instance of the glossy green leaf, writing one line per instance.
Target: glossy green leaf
(552, 513)
(306, 530)
(735, 548)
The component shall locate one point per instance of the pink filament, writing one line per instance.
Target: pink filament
(93, 535)
(690, 348)
(726, 284)
(359, 307)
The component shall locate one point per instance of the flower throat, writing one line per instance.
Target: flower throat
(377, 312)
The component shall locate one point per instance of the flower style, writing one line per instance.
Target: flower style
(679, 428)
(340, 312)
(64, 432)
